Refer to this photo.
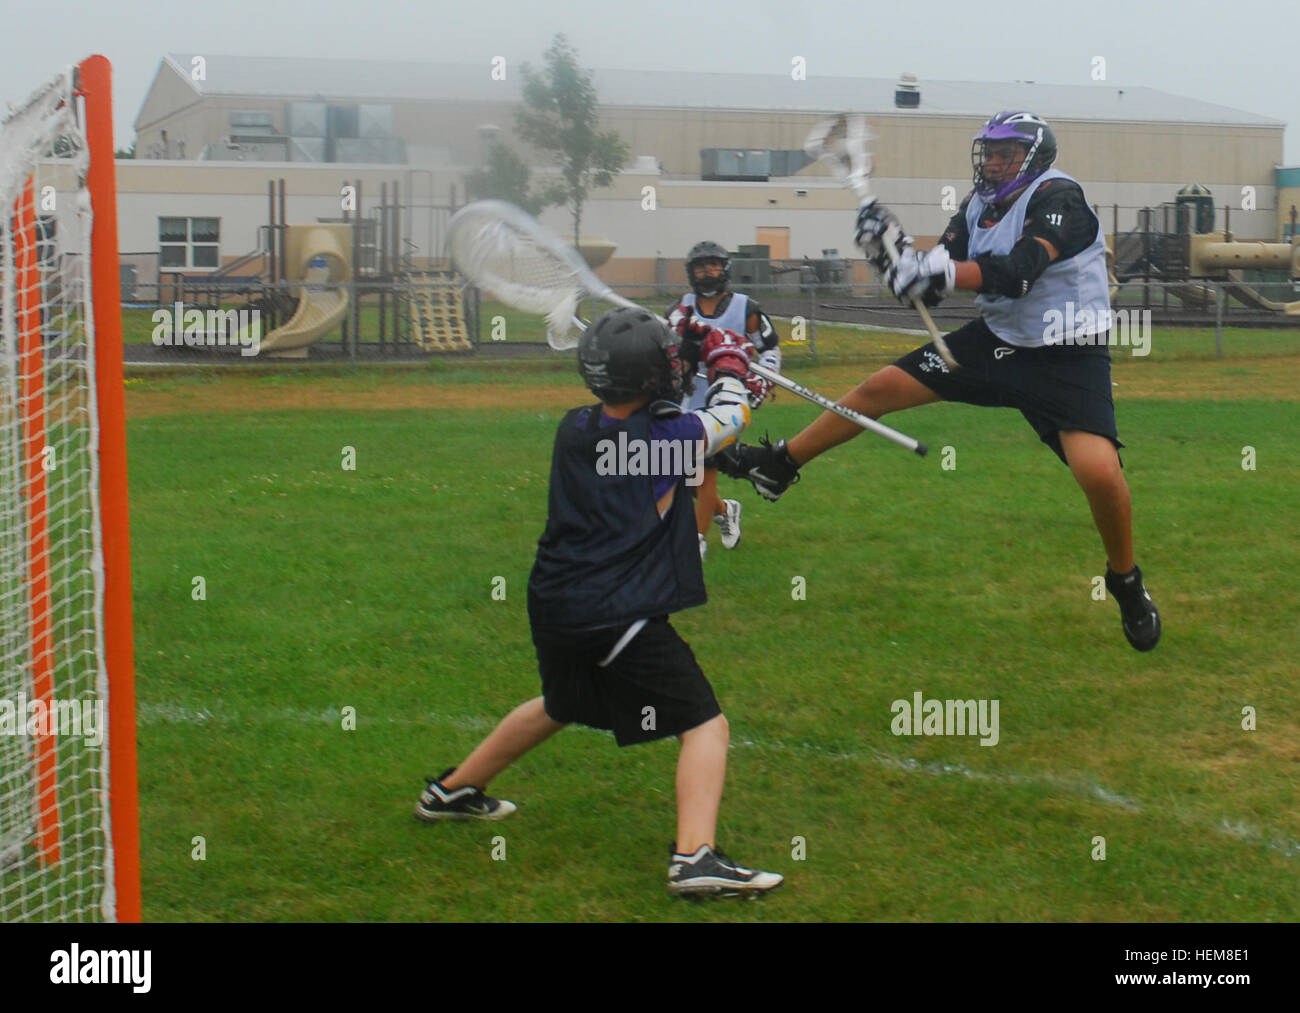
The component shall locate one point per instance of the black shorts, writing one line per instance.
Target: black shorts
(1055, 387)
(653, 689)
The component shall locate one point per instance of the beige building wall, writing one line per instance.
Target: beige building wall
(648, 215)
(236, 193)
(909, 146)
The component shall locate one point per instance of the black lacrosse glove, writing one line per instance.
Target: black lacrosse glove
(874, 220)
(769, 467)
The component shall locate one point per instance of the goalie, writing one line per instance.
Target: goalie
(1027, 242)
(616, 559)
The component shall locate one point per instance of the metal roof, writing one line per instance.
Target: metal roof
(314, 77)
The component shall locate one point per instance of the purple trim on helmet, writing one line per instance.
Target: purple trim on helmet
(1005, 190)
(999, 132)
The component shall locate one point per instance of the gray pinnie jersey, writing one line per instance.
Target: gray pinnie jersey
(1069, 300)
(733, 318)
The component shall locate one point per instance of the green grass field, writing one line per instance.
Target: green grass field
(371, 589)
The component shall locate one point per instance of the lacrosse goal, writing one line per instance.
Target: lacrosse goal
(69, 847)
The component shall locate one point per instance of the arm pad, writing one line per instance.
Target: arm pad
(1013, 274)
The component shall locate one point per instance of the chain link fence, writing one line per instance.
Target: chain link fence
(380, 321)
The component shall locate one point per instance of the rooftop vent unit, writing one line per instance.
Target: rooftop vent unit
(906, 93)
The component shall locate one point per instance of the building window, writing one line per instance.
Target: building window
(189, 242)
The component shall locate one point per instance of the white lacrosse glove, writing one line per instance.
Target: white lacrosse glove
(926, 276)
(771, 359)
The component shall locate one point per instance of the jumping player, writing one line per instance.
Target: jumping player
(616, 558)
(709, 304)
(1027, 242)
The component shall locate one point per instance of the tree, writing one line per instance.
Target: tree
(559, 117)
(506, 177)
(125, 152)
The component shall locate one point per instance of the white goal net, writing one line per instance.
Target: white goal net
(56, 841)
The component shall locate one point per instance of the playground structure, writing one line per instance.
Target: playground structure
(318, 256)
(1188, 250)
(357, 277)
(358, 286)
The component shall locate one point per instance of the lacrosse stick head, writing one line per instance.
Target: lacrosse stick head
(505, 252)
(563, 329)
(843, 144)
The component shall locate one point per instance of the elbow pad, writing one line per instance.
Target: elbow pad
(725, 414)
(765, 337)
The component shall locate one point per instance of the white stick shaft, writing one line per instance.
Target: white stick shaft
(865, 421)
(784, 382)
(858, 179)
(552, 280)
(891, 248)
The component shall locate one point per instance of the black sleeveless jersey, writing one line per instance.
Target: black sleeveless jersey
(606, 557)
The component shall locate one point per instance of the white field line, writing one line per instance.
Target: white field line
(1066, 784)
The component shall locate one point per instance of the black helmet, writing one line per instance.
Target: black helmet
(708, 251)
(1024, 128)
(628, 352)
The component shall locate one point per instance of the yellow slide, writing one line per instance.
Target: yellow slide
(1248, 296)
(316, 255)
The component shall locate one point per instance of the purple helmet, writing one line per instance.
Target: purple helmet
(1040, 152)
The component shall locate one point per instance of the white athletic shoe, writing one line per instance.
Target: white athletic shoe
(704, 548)
(729, 523)
(709, 872)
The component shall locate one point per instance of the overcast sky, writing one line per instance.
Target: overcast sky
(1242, 55)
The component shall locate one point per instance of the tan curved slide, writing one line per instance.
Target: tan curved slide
(1199, 297)
(1204, 297)
(1247, 296)
(316, 255)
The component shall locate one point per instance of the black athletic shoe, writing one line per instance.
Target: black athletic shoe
(468, 803)
(1136, 609)
(768, 466)
(710, 873)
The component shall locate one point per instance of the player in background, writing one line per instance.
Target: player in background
(619, 554)
(1027, 242)
(710, 304)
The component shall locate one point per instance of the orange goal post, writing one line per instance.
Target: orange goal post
(69, 837)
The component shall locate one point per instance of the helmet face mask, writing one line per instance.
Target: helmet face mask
(708, 283)
(997, 175)
(628, 353)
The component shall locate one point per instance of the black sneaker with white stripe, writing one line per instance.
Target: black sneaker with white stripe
(710, 873)
(1136, 609)
(469, 803)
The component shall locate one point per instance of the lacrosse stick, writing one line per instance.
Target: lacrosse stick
(505, 251)
(842, 143)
